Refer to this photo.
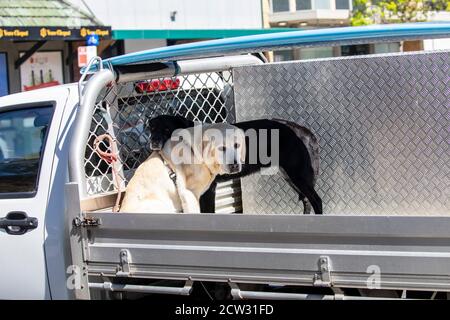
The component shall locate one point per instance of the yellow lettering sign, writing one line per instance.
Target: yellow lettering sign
(14, 33)
(45, 32)
(100, 32)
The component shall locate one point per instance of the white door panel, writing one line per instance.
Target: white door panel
(25, 127)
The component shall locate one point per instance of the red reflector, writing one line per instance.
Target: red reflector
(157, 85)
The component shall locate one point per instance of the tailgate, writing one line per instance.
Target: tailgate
(331, 251)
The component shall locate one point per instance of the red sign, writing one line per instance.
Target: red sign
(85, 54)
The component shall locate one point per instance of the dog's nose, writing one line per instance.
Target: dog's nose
(234, 168)
(155, 145)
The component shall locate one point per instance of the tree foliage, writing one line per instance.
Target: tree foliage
(367, 12)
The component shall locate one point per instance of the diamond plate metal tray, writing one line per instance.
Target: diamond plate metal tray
(383, 122)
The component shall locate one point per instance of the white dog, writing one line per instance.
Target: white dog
(195, 156)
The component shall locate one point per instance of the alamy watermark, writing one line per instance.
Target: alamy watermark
(227, 147)
(374, 280)
(73, 281)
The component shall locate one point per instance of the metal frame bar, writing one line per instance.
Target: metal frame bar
(82, 125)
(239, 294)
(114, 287)
(186, 67)
(83, 77)
(276, 41)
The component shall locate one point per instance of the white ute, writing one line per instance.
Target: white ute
(59, 238)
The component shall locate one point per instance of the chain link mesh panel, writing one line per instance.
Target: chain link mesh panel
(123, 110)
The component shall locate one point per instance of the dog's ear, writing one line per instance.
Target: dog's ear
(182, 122)
(187, 123)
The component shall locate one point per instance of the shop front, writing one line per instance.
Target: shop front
(37, 57)
(39, 44)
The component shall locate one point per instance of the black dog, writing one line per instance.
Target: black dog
(294, 158)
(162, 127)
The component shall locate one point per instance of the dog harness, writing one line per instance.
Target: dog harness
(172, 175)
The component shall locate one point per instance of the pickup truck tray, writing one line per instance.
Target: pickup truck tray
(382, 252)
(382, 130)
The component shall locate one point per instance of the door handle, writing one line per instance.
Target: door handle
(18, 223)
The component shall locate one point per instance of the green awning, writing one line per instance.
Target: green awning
(192, 33)
(47, 20)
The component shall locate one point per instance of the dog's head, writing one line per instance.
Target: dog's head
(223, 148)
(162, 127)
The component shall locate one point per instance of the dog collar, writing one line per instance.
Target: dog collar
(172, 174)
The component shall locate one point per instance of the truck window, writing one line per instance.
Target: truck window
(22, 140)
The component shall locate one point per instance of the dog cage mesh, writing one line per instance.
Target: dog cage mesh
(123, 109)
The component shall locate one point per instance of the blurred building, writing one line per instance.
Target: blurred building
(140, 25)
(437, 44)
(310, 14)
(39, 39)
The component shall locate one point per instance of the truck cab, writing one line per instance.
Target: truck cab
(33, 169)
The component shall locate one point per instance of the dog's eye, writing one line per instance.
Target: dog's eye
(222, 148)
(236, 145)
